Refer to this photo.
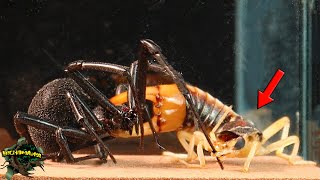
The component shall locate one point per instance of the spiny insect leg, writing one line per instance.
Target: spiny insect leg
(286, 140)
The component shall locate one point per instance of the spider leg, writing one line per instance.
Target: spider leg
(112, 68)
(57, 156)
(156, 76)
(136, 104)
(138, 70)
(93, 92)
(92, 119)
(22, 120)
(21, 126)
(64, 147)
(102, 154)
(136, 77)
(67, 153)
(81, 118)
(154, 50)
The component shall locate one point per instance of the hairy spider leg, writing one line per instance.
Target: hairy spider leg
(154, 50)
(22, 120)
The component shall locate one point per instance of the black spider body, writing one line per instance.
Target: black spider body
(50, 103)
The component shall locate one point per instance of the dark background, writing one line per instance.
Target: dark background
(39, 37)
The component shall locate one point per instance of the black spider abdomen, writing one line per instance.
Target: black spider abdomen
(50, 103)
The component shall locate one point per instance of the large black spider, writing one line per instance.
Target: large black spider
(61, 120)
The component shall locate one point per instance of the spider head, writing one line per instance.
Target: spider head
(236, 138)
(119, 126)
(126, 121)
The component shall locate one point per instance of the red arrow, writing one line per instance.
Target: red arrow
(264, 97)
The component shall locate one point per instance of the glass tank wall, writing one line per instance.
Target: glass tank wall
(272, 35)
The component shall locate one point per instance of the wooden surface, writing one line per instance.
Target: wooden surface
(6, 140)
(163, 167)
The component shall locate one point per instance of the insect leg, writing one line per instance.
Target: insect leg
(250, 156)
(200, 153)
(220, 120)
(80, 117)
(201, 143)
(286, 140)
(183, 138)
(155, 51)
(195, 139)
(283, 123)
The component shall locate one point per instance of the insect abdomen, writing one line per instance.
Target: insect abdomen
(209, 108)
(168, 106)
